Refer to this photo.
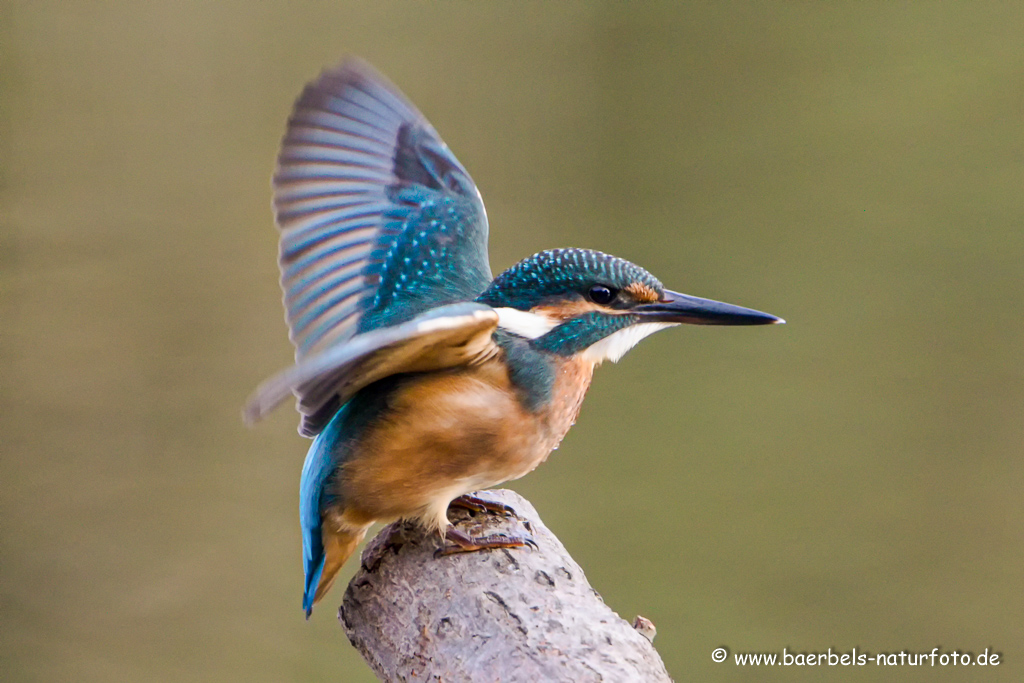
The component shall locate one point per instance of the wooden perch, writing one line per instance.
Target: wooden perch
(518, 614)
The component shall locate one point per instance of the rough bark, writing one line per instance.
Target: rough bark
(510, 614)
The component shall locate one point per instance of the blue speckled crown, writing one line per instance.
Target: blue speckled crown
(557, 271)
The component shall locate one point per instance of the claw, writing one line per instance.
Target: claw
(475, 504)
(461, 542)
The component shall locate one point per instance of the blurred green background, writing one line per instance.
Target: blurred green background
(851, 479)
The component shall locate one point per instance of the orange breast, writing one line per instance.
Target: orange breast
(449, 433)
(571, 384)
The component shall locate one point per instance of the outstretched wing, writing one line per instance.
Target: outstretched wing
(379, 221)
(444, 337)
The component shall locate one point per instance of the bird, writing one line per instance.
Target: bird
(419, 376)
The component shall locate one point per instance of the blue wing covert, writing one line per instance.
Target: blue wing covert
(379, 221)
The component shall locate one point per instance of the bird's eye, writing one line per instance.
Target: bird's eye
(600, 294)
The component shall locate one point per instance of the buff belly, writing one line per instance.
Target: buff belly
(446, 434)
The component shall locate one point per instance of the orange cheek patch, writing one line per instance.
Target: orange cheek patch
(568, 309)
(642, 292)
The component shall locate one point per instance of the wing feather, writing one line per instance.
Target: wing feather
(448, 336)
(362, 180)
(379, 222)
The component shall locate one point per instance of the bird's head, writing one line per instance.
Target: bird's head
(573, 301)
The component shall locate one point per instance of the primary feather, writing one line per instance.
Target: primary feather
(443, 337)
(379, 221)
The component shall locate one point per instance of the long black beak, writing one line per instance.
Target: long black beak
(682, 308)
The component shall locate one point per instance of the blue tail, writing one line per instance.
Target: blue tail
(321, 461)
(312, 581)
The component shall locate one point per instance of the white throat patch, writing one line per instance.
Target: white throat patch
(615, 345)
(525, 323)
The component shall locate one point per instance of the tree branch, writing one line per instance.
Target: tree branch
(519, 614)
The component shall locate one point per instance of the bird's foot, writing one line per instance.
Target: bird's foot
(460, 542)
(475, 504)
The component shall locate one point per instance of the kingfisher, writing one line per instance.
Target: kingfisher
(418, 375)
